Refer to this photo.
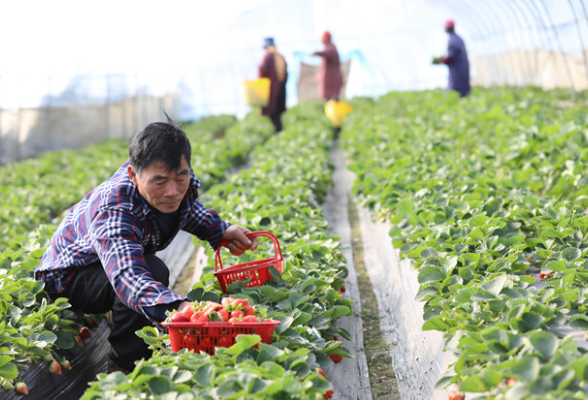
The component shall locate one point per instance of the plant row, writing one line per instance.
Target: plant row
(487, 197)
(282, 193)
(32, 329)
(37, 191)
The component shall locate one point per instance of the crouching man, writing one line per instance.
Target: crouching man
(102, 256)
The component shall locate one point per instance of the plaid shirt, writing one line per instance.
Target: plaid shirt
(116, 225)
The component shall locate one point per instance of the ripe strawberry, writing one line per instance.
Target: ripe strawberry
(455, 395)
(237, 314)
(511, 382)
(336, 358)
(207, 343)
(329, 393)
(198, 317)
(248, 310)
(189, 311)
(55, 368)
(241, 302)
(227, 301)
(22, 388)
(79, 341)
(85, 332)
(249, 318)
(225, 341)
(224, 314)
(180, 317)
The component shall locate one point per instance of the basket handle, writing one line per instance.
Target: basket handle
(225, 243)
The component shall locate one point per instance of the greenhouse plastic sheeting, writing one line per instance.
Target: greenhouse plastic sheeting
(389, 45)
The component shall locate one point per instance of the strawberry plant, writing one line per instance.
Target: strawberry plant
(31, 327)
(487, 198)
(238, 372)
(283, 191)
(304, 297)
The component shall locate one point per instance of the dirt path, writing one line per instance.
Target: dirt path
(376, 342)
(369, 375)
(417, 356)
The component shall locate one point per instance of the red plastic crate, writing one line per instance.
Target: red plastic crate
(257, 270)
(205, 336)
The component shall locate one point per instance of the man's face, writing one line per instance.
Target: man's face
(163, 190)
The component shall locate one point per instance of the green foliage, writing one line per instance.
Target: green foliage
(281, 192)
(304, 298)
(238, 372)
(484, 194)
(33, 197)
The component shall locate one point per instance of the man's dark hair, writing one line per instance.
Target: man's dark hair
(159, 141)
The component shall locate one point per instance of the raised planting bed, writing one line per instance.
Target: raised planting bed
(486, 197)
(282, 193)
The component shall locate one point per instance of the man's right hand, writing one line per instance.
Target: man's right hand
(239, 242)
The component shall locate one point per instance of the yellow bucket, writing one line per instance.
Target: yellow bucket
(257, 92)
(336, 111)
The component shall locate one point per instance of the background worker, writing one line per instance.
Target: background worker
(102, 255)
(274, 66)
(457, 61)
(329, 78)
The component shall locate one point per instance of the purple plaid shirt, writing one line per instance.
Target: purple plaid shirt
(115, 224)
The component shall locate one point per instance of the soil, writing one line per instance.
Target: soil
(184, 281)
(382, 378)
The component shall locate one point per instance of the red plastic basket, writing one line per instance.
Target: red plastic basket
(205, 336)
(257, 270)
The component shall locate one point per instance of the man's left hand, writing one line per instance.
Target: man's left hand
(239, 242)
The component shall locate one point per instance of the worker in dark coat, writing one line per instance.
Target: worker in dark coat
(457, 61)
(274, 66)
(330, 79)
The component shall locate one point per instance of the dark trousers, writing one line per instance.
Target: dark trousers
(277, 121)
(90, 292)
(280, 107)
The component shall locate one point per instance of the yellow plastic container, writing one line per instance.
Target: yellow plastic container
(257, 92)
(336, 111)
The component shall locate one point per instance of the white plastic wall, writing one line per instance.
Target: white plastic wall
(81, 55)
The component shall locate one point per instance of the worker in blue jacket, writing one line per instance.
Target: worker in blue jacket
(457, 61)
